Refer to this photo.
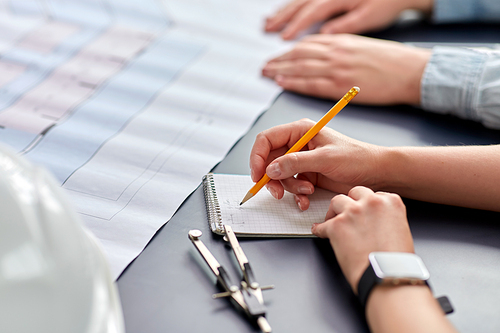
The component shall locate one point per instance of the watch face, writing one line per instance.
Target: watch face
(398, 265)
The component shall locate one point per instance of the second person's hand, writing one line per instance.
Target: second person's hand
(328, 65)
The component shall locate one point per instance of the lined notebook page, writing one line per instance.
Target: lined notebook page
(263, 215)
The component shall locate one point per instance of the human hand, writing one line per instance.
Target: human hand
(330, 160)
(349, 16)
(327, 66)
(364, 222)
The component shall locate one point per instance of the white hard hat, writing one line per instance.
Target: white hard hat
(53, 275)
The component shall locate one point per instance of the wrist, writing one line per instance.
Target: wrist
(399, 302)
(390, 163)
(356, 276)
(417, 59)
(399, 274)
(399, 308)
(398, 294)
(391, 269)
(396, 173)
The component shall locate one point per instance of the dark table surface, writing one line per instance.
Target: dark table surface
(168, 287)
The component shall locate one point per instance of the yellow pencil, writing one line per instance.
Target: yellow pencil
(306, 138)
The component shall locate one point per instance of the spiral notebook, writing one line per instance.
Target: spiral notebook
(262, 215)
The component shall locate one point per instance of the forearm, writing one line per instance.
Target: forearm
(466, 176)
(409, 309)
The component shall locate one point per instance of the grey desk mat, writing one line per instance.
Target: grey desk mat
(168, 287)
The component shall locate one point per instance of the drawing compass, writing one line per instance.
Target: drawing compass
(248, 296)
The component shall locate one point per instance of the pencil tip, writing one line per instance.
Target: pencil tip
(246, 198)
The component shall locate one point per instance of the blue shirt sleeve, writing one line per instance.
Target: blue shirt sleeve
(449, 11)
(463, 82)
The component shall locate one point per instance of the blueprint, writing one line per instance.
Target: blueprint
(130, 102)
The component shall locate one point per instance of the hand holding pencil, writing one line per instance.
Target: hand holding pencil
(304, 140)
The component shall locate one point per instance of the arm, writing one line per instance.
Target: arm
(462, 175)
(453, 80)
(365, 222)
(466, 176)
(414, 307)
(351, 16)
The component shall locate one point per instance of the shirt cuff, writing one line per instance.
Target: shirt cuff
(449, 11)
(451, 81)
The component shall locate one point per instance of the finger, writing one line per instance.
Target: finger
(308, 15)
(300, 162)
(272, 141)
(338, 205)
(258, 165)
(322, 39)
(297, 186)
(322, 229)
(302, 201)
(353, 22)
(314, 86)
(276, 189)
(393, 199)
(282, 16)
(275, 153)
(359, 192)
(297, 68)
(303, 50)
(265, 143)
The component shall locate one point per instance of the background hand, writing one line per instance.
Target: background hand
(327, 66)
(349, 16)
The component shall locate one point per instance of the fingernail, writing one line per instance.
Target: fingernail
(297, 201)
(279, 79)
(252, 174)
(273, 170)
(313, 227)
(304, 190)
(273, 192)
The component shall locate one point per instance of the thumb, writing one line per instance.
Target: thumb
(320, 229)
(289, 165)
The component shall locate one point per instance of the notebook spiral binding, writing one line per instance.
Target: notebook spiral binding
(213, 208)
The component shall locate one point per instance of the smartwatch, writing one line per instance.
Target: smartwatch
(392, 268)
